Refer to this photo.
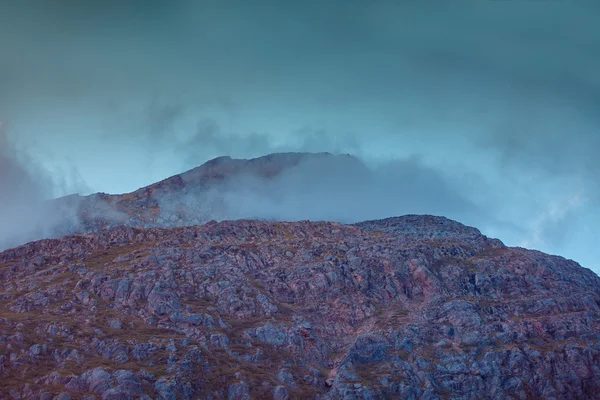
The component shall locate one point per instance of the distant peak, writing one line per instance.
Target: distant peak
(275, 157)
(218, 160)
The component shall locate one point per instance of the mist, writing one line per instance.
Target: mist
(344, 190)
(487, 112)
(23, 198)
(317, 187)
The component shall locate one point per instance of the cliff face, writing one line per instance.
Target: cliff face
(415, 307)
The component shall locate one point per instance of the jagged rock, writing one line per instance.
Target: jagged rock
(286, 378)
(116, 353)
(162, 301)
(98, 380)
(35, 350)
(128, 382)
(219, 340)
(280, 393)
(115, 394)
(238, 391)
(115, 324)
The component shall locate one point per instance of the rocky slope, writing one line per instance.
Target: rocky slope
(415, 307)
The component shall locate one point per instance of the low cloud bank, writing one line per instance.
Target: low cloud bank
(22, 198)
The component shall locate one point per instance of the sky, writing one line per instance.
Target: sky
(486, 111)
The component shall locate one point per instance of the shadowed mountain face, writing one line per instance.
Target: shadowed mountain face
(146, 302)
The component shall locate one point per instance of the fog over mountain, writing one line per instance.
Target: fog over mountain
(485, 112)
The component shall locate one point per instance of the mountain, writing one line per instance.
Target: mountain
(176, 307)
(209, 192)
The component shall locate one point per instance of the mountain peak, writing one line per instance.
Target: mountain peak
(202, 193)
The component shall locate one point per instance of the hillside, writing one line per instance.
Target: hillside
(415, 307)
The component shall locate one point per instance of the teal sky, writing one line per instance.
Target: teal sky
(497, 100)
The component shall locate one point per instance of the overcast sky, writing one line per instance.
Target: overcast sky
(497, 100)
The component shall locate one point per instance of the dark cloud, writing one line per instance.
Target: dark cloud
(499, 98)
